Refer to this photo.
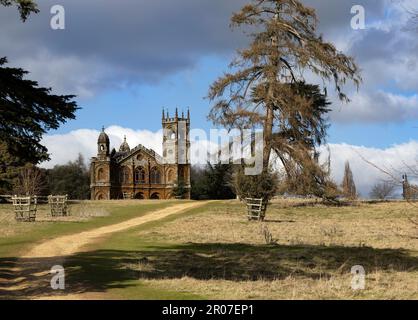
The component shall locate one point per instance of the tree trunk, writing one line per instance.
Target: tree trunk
(268, 135)
(272, 79)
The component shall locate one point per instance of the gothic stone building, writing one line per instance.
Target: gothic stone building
(141, 173)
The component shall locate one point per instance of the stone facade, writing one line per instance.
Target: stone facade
(141, 173)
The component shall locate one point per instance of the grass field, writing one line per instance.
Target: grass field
(213, 252)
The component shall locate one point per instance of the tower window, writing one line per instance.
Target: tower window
(100, 175)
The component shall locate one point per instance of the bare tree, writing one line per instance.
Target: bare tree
(30, 181)
(382, 190)
(410, 214)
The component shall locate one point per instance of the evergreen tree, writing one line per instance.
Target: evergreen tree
(9, 169)
(197, 180)
(213, 182)
(267, 87)
(179, 191)
(27, 112)
(25, 7)
(348, 186)
(263, 186)
(72, 179)
(218, 180)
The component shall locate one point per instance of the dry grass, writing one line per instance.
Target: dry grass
(303, 250)
(375, 225)
(78, 212)
(223, 256)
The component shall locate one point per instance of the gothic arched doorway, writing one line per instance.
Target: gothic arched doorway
(155, 196)
(139, 196)
(100, 197)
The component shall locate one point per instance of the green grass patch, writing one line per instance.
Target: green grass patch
(113, 266)
(34, 233)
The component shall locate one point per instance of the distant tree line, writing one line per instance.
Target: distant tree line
(72, 179)
(212, 182)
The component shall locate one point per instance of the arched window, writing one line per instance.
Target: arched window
(100, 175)
(124, 175)
(170, 133)
(155, 175)
(140, 175)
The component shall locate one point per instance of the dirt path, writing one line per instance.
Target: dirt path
(68, 245)
(65, 246)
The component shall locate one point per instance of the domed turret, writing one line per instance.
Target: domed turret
(124, 147)
(103, 137)
(103, 144)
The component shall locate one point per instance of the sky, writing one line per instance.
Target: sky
(126, 60)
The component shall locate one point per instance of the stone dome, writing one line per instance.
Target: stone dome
(124, 147)
(103, 137)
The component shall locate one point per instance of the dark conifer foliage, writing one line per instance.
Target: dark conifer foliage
(27, 112)
(25, 7)
(212, 182)
(72, 179)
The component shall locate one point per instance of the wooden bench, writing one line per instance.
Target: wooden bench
(256, 209)
(25, 208)
(58, 205)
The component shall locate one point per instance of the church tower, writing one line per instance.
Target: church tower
(103, 145)
(176, 148)
(100, 169)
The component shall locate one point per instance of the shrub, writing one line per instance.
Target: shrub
(263, 186)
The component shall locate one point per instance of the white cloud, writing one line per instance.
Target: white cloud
(66, 147)
(393, 160)
(377, 106)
